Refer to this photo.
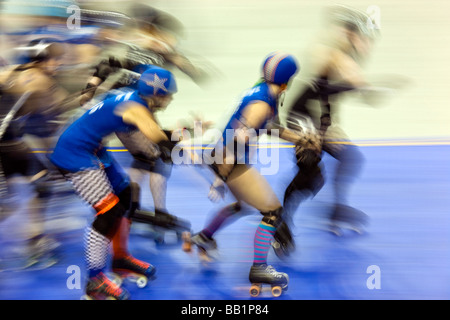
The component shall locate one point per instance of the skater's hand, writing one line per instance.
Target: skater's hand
(310, 141)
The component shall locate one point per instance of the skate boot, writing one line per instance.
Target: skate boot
(135, 270)
(207, 247)
(344, 217)
(42, 253)
(161, 222)
(265, 274)
(101, 288)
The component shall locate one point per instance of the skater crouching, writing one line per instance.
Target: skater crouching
(101, 182)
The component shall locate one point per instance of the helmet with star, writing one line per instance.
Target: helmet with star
(157, 81)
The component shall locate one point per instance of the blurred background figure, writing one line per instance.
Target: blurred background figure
(29, 98)
(41, 53)
(335, 66)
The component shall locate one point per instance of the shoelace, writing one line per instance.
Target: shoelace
(110, 288)
(273, 272)
(141, 264)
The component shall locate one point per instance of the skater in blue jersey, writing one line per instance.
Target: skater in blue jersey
(99, 180)
(151, 41)
(256, 110)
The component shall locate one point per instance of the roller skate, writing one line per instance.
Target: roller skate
(207, 247)
(344, 218)
(42, 253)
(266, 274)
(101, 288)
(161, 222)
(134, 270)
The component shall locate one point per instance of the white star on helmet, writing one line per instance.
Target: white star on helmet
(157, 83)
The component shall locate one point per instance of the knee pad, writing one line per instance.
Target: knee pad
(130, 198)
(109, 212)
(126, 196)
(273, 217)
(283, 235)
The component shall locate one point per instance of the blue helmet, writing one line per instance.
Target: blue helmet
(156, 81)
(278, 68)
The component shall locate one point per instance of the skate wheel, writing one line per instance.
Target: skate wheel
(85, 297)
(255, 290)
(277, 291)
(186, 238)
(204, 257)
(141, 282)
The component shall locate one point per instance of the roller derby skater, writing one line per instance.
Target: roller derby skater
(336, 69)
(154, 42)
(257, 108)
(101, 182)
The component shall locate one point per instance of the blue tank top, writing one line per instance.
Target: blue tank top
(259, 92)
(80, 145)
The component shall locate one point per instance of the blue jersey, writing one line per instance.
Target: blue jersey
(260, 92)
(80, 145)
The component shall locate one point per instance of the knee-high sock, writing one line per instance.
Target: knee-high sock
(262, 242)
(96, 251)
(120, 239)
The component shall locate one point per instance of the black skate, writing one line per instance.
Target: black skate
(161, 222)
(207, 247)
(344, 217)
(101, 288)
(135, 270)
(265, 274)
(42, 253)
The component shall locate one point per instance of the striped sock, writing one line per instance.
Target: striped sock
(263, 237)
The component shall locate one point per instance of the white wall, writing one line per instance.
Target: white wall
(235, 36)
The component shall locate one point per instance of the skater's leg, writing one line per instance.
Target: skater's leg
(94, 187)
(220, 218)
(262, 242)
(349, 167)
(159, 175)
(249, 186)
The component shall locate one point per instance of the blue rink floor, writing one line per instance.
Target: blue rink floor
(404, 189)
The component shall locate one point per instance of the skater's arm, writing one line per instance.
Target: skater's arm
(275, 127)
(139, 116)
